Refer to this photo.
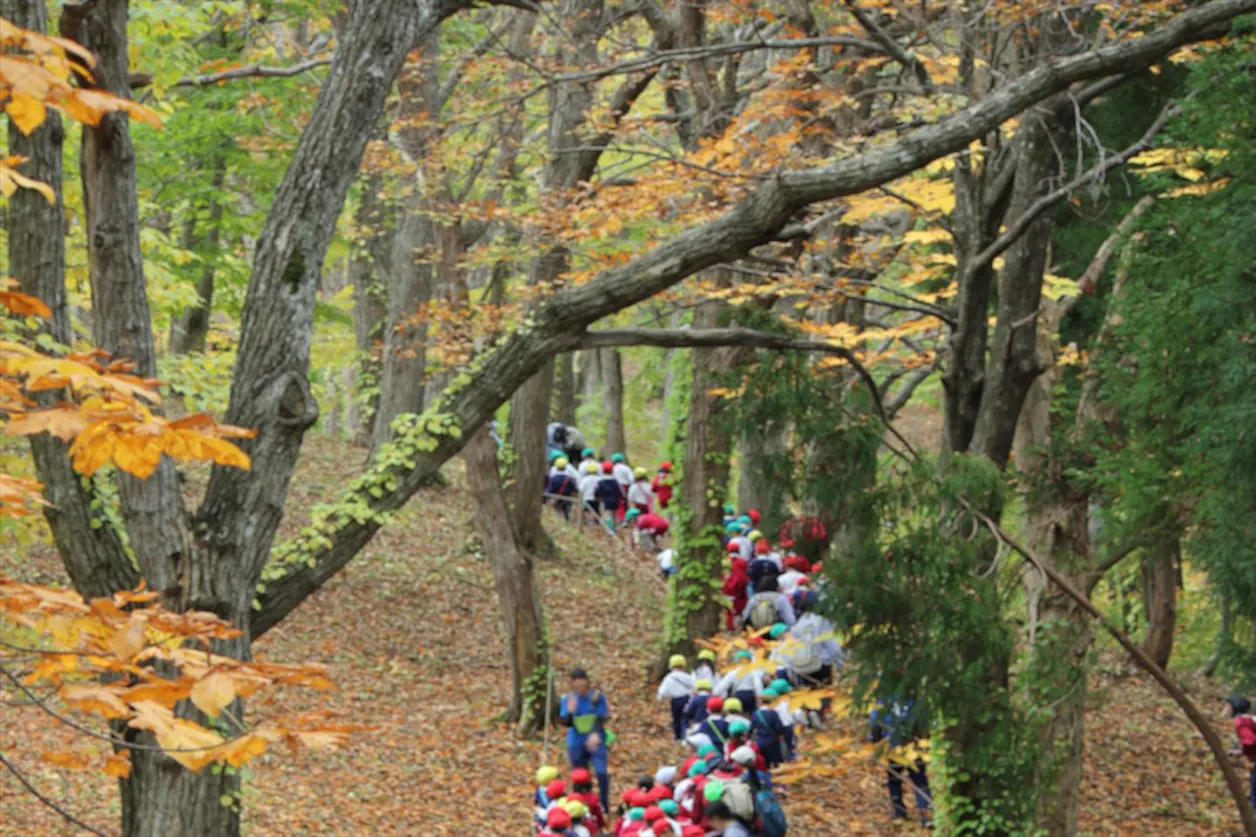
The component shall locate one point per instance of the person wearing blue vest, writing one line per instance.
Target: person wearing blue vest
(584, 711)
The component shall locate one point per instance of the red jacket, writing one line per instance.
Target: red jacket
(735, 588)
(662, 489)
(1245, 727)
(594, 803)
(652, 523)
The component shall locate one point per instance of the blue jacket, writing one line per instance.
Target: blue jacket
(894, 719)
(561, 484)
(590, 708)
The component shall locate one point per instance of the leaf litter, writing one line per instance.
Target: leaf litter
(411, 634)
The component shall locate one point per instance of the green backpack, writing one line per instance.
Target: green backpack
(585, 724)
(763, 611)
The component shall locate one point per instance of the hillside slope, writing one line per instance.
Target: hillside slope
(411, 633)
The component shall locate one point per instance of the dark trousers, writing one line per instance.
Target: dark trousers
(678, 717)
(580, 757)
(1253, 786)
(920, 782)
(749, 701)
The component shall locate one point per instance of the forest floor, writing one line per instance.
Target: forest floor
(411, 634)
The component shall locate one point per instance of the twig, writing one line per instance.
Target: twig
(891, 46)
(66, 815)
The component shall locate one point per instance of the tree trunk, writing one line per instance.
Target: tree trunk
(613, 375)
(189, 329)
(405, 335)
(564, 407)
(370, 274)
(758, 485)
(91, 548)
(529, 413)
(696, 605)
(590, 380)
(1160, 565)
(522, 622)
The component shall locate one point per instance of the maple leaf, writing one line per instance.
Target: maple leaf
(94, 699)
(118, 765)
(11, 181)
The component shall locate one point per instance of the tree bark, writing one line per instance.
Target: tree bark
(564, 407)
(190, 329)
(590, 378)
(613, 376)
(91, 548)
(1160, 583)
(522, 621)
(529, 413)
(371, 274)
(757, 486)
(401, 386)
(763, 215)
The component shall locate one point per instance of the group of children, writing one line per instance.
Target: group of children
(611, 493)
(735, 728)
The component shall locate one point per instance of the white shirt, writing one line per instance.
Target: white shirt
(704, 671)
(741, 679)
(787, 582)
(588, 485)
(667, 559)
(744, 547)
(676, 684)
(641, 495)
(623, 475)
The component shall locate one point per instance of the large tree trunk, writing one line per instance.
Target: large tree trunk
(759, 485)
(522, 621)
(613, 375)
(529, 413)
(564, 407)
(697, 606)
(370, 274)
(589, 379)
(1160, 583)
(190, 329)
(405, 335)
(91, 548)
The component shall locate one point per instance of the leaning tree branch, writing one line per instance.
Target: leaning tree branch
(559, 324)
(1017, 228)
(1090, 277)
(1235, 785)
(251, 71)
(697, 338)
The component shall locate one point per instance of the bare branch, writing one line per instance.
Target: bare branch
(1090, 278)
(66, 815)
(710, 337)
(251, 71)
(892, 47)
(1018, 227)
(905, 392)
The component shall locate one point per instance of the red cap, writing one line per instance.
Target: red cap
(653, 813)
(607, 467)
(558, 818)
(665, 466)
(715, 704)
(762, 547)
(663, 827)
(660, 792)
(640, 798)
(580, 776)
(732, 547)
(556, 789)
(626, 796)
(804, 581)
(754, 516)
(796, 562)
(692, 831)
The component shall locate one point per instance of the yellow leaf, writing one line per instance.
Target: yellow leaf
(27, 112)
(68, 760)
(213, 692)
(94, 699)
(129, 641)
(118, 765)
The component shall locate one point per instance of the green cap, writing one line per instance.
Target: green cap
(782, 685)
(588, 452)
(698, 769)
(770, 691)
(554, 454)
(778, 630)
(713, 791)
(729, 510)
(669, 807)
(636, 813)
(738, 727)
(617, 457)
(630, 514)
(706, 750)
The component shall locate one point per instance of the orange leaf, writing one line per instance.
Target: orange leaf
(213, 692)
(94, 699)
(63, 422)
(69, 760)
(119, 764)
(129, 641)
(24, 304)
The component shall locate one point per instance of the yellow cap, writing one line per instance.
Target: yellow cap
(703, 684)
(706, 654)
(546, 774)
(732, 705)
(576, 808)
(755, 534)
(676, 661)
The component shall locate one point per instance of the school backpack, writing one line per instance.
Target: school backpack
(771, 817)
(739, 799)
(801, 650)
(763, 611)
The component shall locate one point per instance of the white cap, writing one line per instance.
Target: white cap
(744, 756)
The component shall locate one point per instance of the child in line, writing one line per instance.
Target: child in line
(608, 496)
(678, 688)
